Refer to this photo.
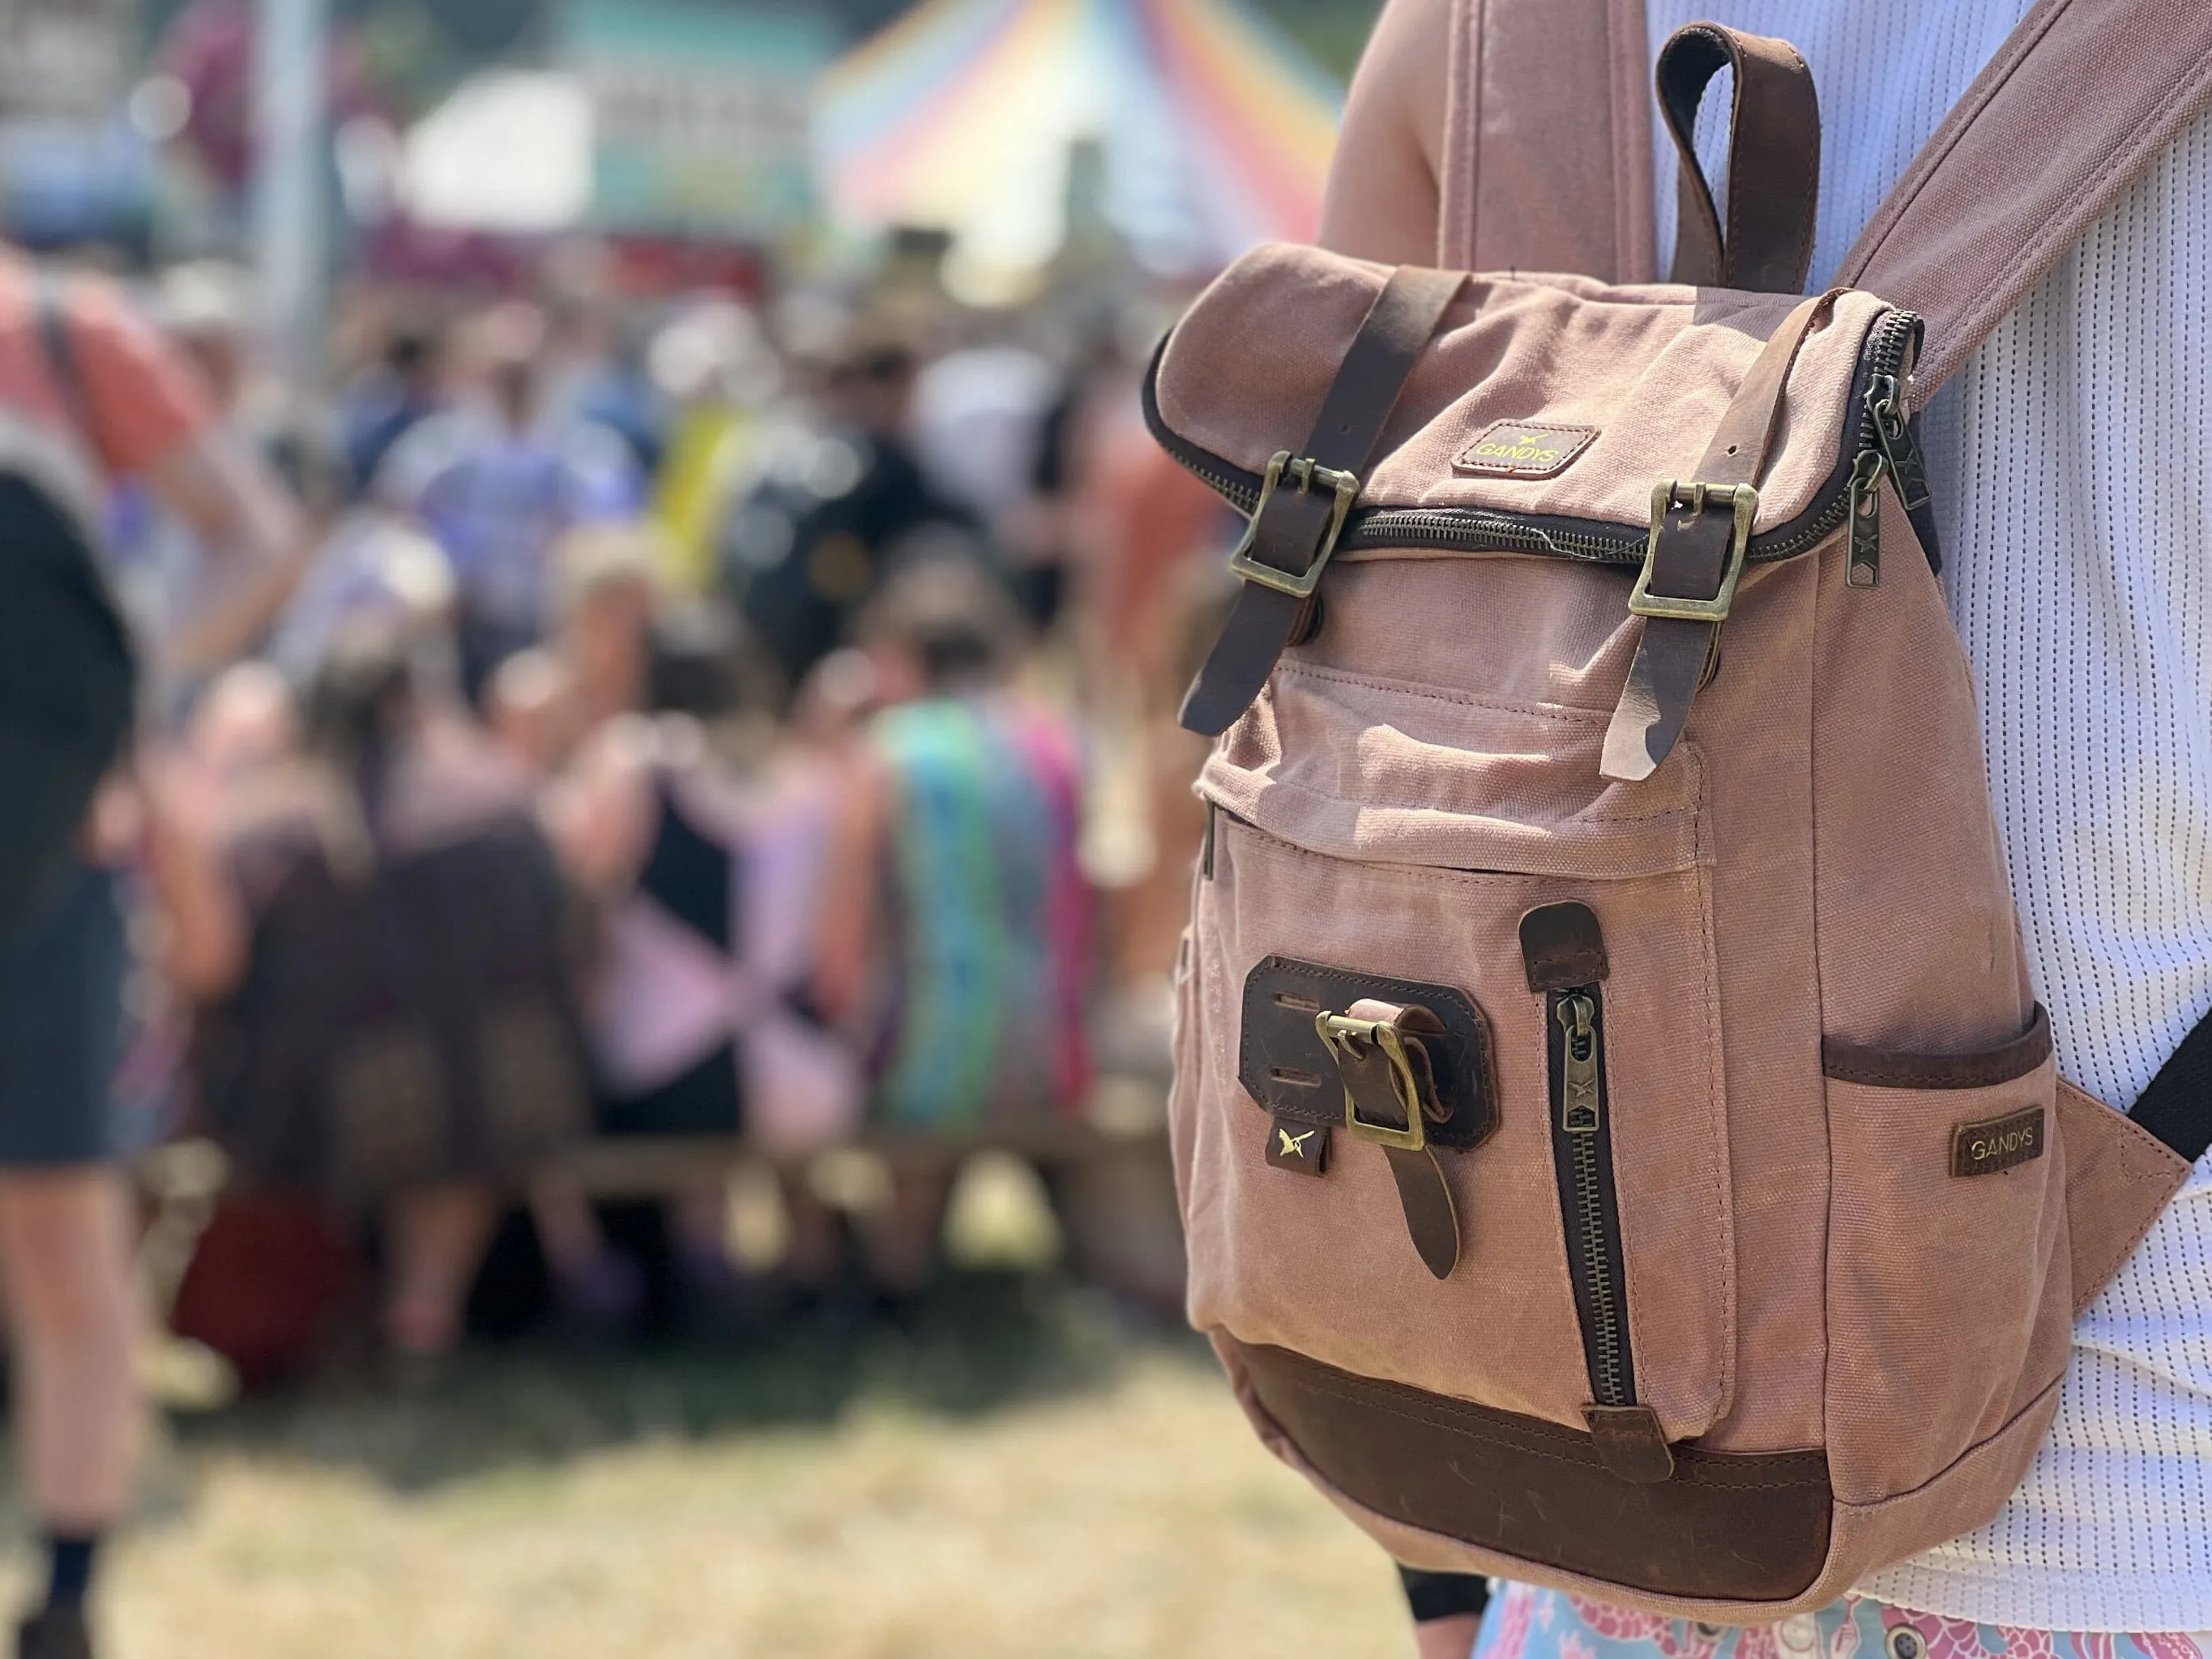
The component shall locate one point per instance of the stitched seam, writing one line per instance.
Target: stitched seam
(1875, 1069)
(1589, 717)
(1663, 816)
(2060, 232)
(1969, 110)
(1693, 1473)
(1801, 264)
(1439, 876)
(1485, 1082)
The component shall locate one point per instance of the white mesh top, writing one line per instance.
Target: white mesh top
(2076, 507)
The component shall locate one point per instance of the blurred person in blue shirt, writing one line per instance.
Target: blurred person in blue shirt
(498, 481)
(406, 387)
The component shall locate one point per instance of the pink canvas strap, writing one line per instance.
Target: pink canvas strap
(1546, 156)
(2081, 98)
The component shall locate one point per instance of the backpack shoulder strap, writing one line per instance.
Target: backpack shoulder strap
(1547, 163)
(57, 346)
(2081, 98)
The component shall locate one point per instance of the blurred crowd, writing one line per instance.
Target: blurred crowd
(731, 729)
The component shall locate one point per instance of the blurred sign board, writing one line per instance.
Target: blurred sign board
(701, 112)
(61, 60)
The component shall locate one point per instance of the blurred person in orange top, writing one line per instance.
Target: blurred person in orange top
(78, 363)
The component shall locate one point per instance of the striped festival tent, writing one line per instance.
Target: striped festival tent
(1213, 132)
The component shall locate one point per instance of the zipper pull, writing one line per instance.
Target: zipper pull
(1578, 1076)
(1908, 468)
(1864, 569)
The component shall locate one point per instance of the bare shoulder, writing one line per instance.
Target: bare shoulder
(1383, 188)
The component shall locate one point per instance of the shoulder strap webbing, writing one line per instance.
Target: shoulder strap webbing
(2177, 1108)
(1295, 527)
(1546, 160)
(1773, 166)
(50, 309)
(2081, 98)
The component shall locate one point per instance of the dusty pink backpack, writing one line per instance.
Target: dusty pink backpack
(1619, 1144)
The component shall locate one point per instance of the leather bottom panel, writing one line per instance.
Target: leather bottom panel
(1727, 1527)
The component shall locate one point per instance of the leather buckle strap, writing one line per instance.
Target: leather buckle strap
(1388, 1075)
(1695, 559)
(1305, 473)
(1649, 597)
(1294, 533)
(1372, 1058)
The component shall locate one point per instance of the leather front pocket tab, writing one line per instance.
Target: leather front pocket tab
(1284, 1064)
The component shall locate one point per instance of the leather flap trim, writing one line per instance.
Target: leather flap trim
(1725, 1526)
(1282, 1063)
(1885, 1068)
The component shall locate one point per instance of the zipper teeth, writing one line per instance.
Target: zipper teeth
(1386, 527)
(1610, 1386)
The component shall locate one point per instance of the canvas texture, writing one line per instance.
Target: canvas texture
(1809, 1262)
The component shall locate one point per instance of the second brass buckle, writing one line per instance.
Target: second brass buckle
(1743, 500)
(1305, 474)
(1343, 1037)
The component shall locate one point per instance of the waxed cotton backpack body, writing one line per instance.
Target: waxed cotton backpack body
(1619, 1144)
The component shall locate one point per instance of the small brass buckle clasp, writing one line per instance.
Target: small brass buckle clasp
(1347, 1040)
(1743, 500)
(1305, 474)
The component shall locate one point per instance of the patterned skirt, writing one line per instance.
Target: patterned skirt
(1526, 1623)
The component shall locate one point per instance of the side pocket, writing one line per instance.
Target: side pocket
(2119, 1179)
(1950, 1292)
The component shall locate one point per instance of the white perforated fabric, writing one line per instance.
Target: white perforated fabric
(2069, 460)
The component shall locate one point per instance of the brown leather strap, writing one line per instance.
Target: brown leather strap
(1431, 1217)
(1774, 161)
(2081, 97)
(1289, 530)
(1675, 655)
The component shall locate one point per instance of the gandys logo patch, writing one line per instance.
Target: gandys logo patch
(1524, 449)
(1998, 1145)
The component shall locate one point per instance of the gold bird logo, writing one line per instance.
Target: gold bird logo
(1294, 1146)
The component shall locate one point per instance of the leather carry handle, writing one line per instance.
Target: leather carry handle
(1294, 528)
(1774, 161)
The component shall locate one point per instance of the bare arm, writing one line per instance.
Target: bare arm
(1383, 194)
(245, 518)
(204, 946)
(846, 934)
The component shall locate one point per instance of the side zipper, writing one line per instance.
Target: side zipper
(1889, 448)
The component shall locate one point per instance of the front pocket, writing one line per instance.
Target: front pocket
(1593, 1270)
(1949, 1284)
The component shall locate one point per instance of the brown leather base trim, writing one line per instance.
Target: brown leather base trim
(1726, 1526)
(1882, 1068)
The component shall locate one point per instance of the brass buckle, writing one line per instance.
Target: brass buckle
(1305, 473)
(1342, 1035)
(1744, 499)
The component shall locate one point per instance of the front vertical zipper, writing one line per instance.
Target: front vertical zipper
(1581, 1147)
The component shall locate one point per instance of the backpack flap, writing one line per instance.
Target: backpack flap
(1551, 416)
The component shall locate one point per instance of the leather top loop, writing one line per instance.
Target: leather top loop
(1774, 161)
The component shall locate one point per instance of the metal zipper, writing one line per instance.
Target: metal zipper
(1582, 1145)
(1894, 335)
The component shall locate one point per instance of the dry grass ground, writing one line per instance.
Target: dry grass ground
(1019, 1478)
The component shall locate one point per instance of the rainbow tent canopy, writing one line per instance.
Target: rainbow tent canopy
(1213, 131)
